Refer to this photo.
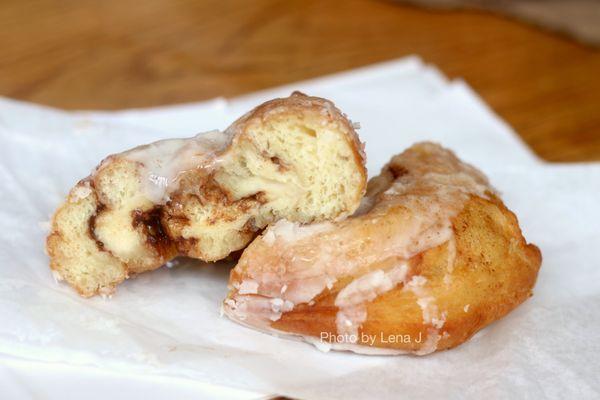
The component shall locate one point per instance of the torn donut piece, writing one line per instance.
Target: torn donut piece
(297, 158)
(431, 257)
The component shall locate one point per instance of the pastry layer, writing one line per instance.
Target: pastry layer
(297, 158)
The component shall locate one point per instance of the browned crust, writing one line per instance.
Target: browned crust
(491, 285)
(495, 270)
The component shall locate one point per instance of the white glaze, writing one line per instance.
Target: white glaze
(433, 192)
(352, 300)
(164, 161)
(431, 315)
(248, 287)
(256, 310)
(288, 232)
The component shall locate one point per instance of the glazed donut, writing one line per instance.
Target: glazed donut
(431, 257)
(297, 158)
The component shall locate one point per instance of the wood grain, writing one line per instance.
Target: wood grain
(83, 54)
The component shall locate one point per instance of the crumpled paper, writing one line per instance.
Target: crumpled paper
(167, 322)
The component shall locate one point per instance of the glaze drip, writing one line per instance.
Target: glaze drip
(164, 161)
(418, 195)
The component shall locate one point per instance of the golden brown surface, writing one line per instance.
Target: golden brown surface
(495, 271)
(113, 54)
(436, 256)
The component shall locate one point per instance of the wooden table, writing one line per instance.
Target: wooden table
(123, 53)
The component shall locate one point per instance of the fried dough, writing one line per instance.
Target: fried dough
(204, 197)
(431, 257)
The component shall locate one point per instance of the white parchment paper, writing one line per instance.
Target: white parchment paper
(167, 322)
